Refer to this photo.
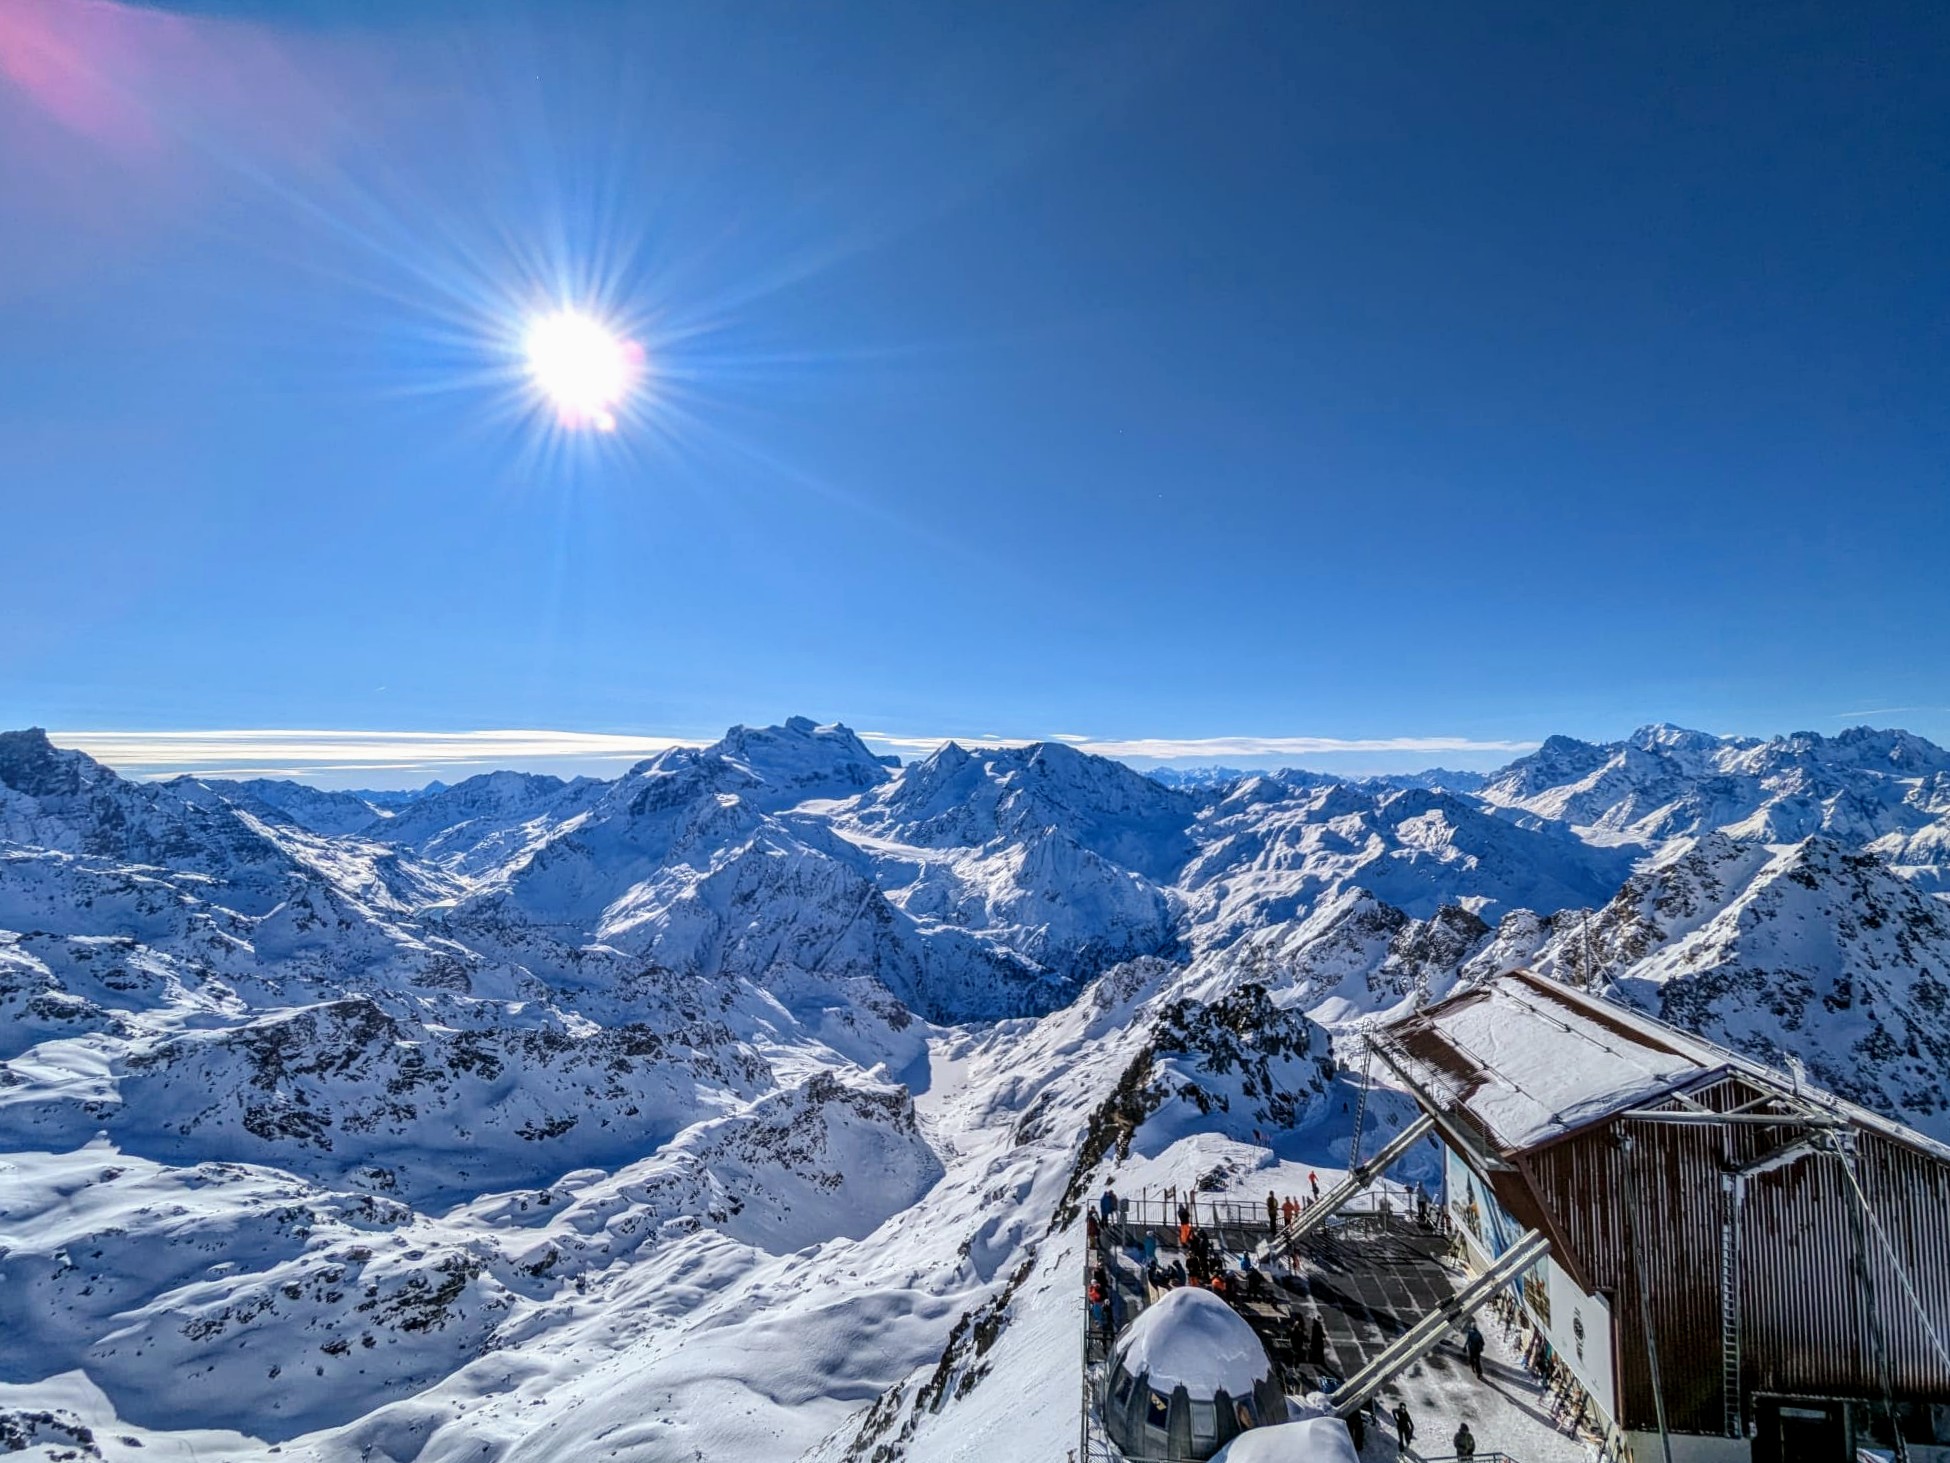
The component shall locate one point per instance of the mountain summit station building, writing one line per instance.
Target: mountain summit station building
(1738, 1267)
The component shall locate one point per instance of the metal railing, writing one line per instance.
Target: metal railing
(1358, 1180)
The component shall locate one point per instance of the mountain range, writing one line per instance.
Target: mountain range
(734, 1106)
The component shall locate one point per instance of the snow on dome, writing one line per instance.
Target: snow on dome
(1191, 1337)
(1308, 1440)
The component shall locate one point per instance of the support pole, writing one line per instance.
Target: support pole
(1857, 1203)
(1417, 1340)
(1358, 1180)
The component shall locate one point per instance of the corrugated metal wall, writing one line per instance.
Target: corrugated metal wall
(1804, 1323)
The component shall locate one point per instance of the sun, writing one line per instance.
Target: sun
(582, 367)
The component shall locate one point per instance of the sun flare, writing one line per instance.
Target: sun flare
(582, 367)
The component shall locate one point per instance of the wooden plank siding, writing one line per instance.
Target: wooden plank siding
(1803, 1319)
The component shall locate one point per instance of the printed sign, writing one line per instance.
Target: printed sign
(1577, 1326)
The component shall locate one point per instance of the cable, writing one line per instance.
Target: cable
(1895, 1264)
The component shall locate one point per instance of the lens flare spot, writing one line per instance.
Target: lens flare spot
(583, 368)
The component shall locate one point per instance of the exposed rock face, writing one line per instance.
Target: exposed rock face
(1662, 782)
(1241, 1056)
(346, 1113)
(1821, 956)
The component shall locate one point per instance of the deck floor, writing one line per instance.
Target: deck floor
(1367, 1281)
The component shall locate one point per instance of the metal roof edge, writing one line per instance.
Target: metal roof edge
(1714, 1061)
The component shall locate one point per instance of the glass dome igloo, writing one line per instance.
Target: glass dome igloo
(1186, 1377)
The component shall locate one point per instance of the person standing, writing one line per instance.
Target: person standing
(1404, 1428)
(1272, 1213)
(1465, 1443)
(1473, 1349)
(1313, 1182)
(1357, 1429)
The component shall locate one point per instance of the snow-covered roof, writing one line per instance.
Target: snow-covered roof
(1307, 1440)
(1529, 1060)
(1192, 1337)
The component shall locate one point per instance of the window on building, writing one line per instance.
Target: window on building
(1205, 1422)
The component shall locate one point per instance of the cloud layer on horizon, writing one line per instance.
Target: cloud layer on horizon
(301, 753)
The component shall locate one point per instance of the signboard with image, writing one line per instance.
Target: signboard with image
(1577, 1326)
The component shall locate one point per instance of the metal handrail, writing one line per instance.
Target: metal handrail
(1359, 1178)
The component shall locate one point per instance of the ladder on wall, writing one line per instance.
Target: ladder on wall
(1731, 1185)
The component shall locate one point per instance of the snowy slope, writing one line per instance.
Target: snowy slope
(739, 1106)
(1822, 956)
(320, 810)
(1860, 786)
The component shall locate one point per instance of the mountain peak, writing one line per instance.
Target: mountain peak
(797, 761)
(1666, 734)
(33, 765)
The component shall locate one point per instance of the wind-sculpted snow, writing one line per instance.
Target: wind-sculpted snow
(738, 1106)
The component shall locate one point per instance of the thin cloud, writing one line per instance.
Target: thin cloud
(302, 753)
(1884, 711)
(1169, 748)
(287, 752)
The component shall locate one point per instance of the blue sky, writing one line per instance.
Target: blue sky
(1137, 373)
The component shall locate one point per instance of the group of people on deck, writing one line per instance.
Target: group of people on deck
(1280, 1213)
(1201, 1262)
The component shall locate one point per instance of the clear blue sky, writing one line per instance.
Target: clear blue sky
(1467, 372)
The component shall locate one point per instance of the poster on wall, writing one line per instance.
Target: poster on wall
(1581, 1336)
(1578, 1326)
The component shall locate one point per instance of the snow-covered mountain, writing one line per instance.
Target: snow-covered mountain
(1446, 779)
(485, 822)
(1812, 953)
(1862, 785)
(1269, 854)
(735, 1106)
(320, 810)
(66, 802)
